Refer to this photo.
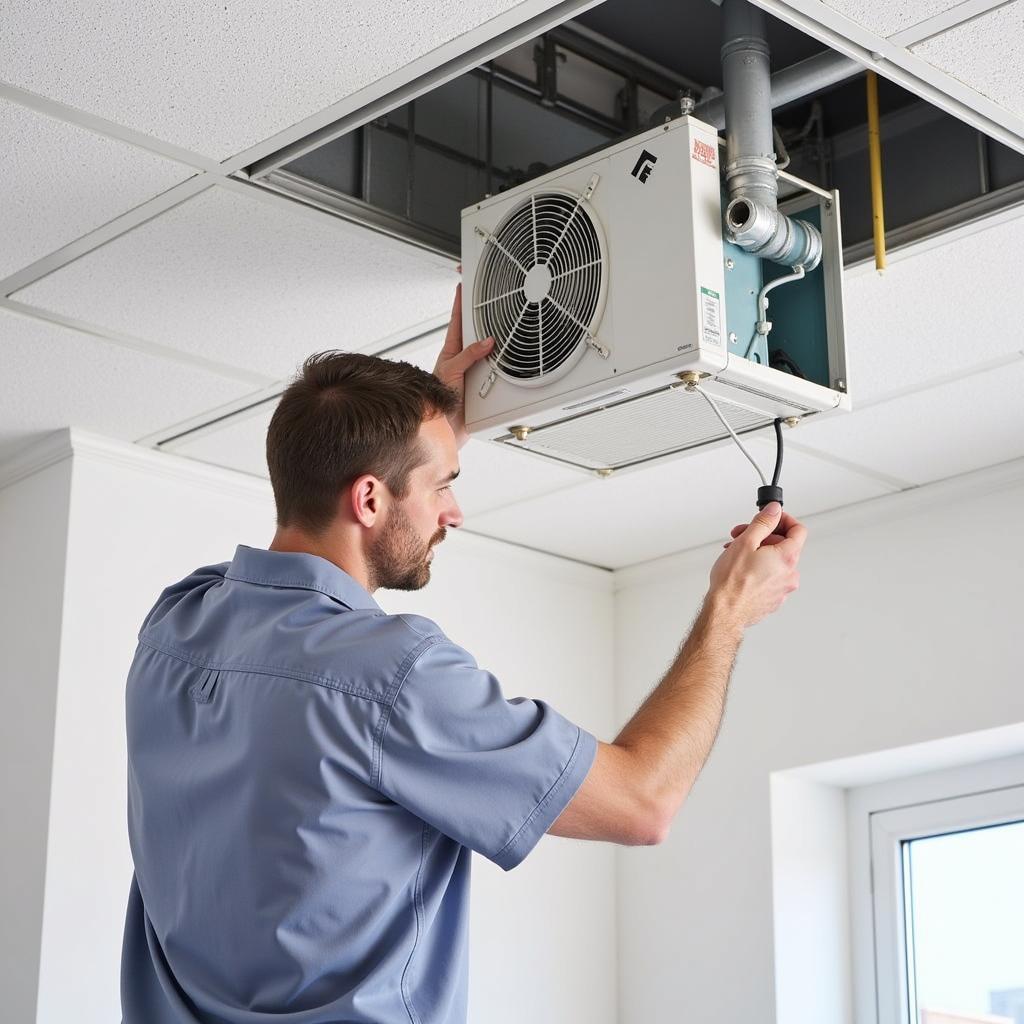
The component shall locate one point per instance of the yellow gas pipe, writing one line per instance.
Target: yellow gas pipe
(875, 156)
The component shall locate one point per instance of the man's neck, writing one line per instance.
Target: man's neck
(290, 538)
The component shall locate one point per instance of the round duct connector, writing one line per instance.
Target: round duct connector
(772, 235)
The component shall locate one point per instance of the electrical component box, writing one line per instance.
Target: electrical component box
(604, 282)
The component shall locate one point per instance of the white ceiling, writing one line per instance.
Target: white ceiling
(54, 377)
(966, 53)
(692, 500)
(250, 276)
(964, 57)
(60, 181)
(938, 310)
(142, 290)
(887, 19)
(216, 78)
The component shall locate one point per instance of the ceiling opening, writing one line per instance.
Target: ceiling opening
(608, 74)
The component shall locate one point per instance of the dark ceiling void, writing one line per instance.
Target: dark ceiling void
(600, 78)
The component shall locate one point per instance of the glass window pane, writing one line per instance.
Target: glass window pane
(964, 897)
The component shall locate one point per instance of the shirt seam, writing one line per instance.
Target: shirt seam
(326, 682)
(390, 699)
(546, 799)
(417, 906)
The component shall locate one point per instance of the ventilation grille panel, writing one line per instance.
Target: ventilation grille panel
(639, 429)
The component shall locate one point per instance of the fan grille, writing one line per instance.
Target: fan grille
(539, 285)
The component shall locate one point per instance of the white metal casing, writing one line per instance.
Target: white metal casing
(663, 313)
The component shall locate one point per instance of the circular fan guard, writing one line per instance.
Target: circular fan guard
(539, 287)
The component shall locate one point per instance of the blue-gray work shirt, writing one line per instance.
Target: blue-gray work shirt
(307, 776)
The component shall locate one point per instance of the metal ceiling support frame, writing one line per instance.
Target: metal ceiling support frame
(474, 57)
(895, 60)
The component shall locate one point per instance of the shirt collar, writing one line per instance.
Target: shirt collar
(299, 569)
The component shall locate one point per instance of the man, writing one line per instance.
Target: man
(308, 775)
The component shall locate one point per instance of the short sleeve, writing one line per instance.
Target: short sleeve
(493, 774)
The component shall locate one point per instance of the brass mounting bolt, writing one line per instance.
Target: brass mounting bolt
(690, 378)
(520, 432)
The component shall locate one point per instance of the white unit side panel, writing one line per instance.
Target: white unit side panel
(663, 240)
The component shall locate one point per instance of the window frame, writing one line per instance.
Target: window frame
(882, 818)
(891, 833)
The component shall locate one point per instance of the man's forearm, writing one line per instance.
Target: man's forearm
(672, 733)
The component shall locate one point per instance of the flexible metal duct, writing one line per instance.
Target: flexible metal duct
(752, 218)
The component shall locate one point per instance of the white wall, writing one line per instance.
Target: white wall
(906, 629)
(141, 520)
(33, 534)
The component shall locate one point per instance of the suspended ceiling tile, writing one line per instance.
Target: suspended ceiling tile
(217, 78)
(974, 422)
(490, 478)
(54, 377)
(239, 443)
(684, 503)
(888, 19)
(251, 282)
(493, 476)
(937, 310)
(60, 182)
(985, 54)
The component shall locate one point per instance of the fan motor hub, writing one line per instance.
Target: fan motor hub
(537, 283)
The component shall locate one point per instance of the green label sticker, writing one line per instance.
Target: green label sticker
(711, 317)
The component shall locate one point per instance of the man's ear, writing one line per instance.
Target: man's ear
(367, 498)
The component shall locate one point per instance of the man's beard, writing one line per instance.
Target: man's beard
(398, 559)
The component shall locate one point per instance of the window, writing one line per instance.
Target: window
(948, 909)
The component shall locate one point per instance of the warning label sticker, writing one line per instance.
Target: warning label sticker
(711, 317)
(704, 152)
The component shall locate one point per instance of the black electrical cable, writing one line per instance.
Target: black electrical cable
(778, 452)
(773, 492)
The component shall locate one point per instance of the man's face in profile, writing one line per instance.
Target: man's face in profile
(400, 556)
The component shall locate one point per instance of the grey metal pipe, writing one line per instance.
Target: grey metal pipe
(752, 219)
(789, 85)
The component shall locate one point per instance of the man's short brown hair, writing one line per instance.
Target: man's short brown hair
(344, 415)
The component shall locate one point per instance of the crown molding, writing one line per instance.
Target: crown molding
(990, 480)
(72, 442)
(35, 457)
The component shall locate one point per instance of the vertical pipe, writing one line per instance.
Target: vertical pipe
(746, 81)
(490, 130)
(875, 157)
(410, 159)
(752, 217)
(365, 156)
(984, 178)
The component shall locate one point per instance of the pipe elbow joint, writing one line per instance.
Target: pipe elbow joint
(765, 232)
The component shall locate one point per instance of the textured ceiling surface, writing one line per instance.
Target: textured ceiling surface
(59, 181)
(940, 311)
(966, 53)
(53, 377)
(246, 277)
(888, 19)
(144, 295)
(216, 78)
(646, 513)
(932, 434)
(491, 477)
